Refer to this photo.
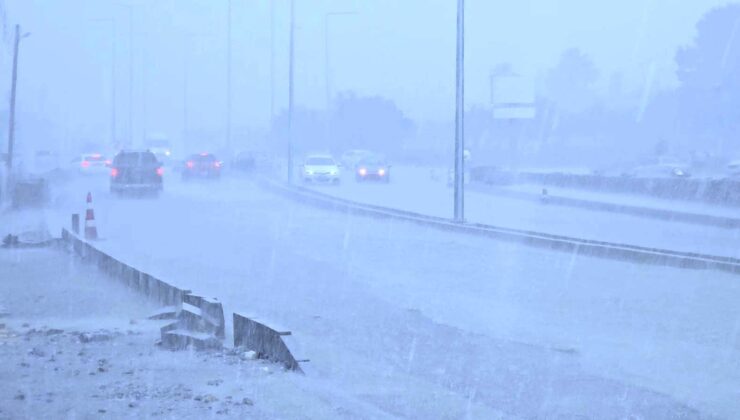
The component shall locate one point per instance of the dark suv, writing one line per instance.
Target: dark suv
(136, 172)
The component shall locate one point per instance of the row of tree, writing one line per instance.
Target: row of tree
(573, 123)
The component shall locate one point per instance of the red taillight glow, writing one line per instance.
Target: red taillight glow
(84, 164)
(114, 172)
(190, 164)
(160, 171)
(108, 162)
(216, 164)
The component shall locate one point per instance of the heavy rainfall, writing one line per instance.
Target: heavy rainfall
(417, 209)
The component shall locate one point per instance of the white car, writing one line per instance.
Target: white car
(662, 168)
(91, 163)
(320, 168)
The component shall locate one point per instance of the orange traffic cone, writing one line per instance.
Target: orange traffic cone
(91, 232)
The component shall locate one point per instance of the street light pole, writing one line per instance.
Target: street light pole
(185, 87)
(130, 76)
(291, 60)
(113, 48)
(272, 64)
(228, 78)
(327, 62)
(114, 93)
(130, 128)
(11, 118)
(459, 211)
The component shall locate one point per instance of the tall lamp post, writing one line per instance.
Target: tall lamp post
(459, 210)
(11, 119)
(272, 65)
(130, 129)
(327, 63)
(291, 60)
(113, 47)
(228, 76)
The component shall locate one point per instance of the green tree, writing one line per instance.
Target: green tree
(709, 72)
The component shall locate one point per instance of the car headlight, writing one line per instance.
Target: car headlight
(309, 172)
(362, 171)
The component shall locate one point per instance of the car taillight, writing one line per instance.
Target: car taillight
(362, 171)
(190, 164)
(108, 162)
(160, 171)
(114, 172)
(381, 171)
(84, 164)
(216, 164)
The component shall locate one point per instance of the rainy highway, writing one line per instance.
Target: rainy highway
(460, 209)
(424, 190)
(397, 302)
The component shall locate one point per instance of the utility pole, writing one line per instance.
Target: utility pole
(327, 86)
(291, 59)
(327, 62)
(185, 87)
(13, 83)
(327, 70)
(130, 76)
(272, 64)
(130, 128)
(113, 53)
(459, 213)
(228, 78)
(113, 64)
(144, 89)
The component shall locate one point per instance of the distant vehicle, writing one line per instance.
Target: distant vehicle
(320, 168)
(91, 164)
(244, 161)
(351, 158)
(733, 169)
(373, 168)
(663, 167)
(136, 171)
(161, 148)
(202, 165)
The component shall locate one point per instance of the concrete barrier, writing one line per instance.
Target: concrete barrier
(199, 321)
(623, 252)
(155, 289)
(211, 311)
(193, 324)
(267, 342)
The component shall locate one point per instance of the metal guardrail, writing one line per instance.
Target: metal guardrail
(602, 249)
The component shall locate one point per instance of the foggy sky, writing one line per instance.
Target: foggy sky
(403, 50)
